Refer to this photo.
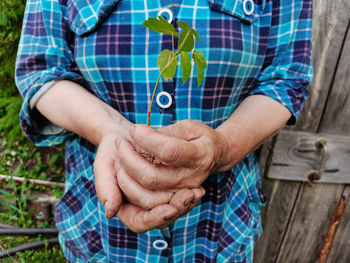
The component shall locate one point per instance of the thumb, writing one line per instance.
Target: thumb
(186, 130)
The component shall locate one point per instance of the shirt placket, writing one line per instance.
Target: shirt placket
(165, 102)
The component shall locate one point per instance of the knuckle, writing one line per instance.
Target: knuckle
(145, 177)
(135, 226)
(170, 152)
(194, 182)
(148, 222)
(189, 122)
(149, 181)
(207, 161)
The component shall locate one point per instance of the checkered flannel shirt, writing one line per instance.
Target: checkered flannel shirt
(103, 46)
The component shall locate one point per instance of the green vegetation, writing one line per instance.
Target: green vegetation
(27, 161)
(11, 16)
(17, 156)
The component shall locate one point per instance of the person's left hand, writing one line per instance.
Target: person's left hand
(189, 151)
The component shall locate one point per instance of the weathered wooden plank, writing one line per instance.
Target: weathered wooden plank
(309, 226)
(330, 23)
(296, 155)
(336, 117)
(329, 28)
(340, 251)
(275, 220)
(336, 120)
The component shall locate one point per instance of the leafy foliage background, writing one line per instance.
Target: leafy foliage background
(11, 18)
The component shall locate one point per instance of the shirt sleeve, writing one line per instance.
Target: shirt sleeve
(287, 69)
(44, 56)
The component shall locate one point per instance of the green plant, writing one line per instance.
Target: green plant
(10, 31)
(9, 120)
(168, 59)
(11, 17)
(25, 160)
(18, 210)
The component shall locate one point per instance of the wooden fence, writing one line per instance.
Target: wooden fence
(306, 168)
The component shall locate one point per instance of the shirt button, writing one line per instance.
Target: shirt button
(166, 14)
(160, 244)
(164, 100)
(248, 7)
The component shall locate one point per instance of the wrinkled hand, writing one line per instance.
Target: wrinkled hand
(141, 209)
(189, 151)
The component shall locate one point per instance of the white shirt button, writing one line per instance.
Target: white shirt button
(166, 14)
(160, 244)
(164, 100)
(248, 7)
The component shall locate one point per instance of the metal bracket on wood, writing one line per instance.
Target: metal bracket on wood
(316, 175)
(310, 157)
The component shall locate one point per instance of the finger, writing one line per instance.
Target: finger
(196, 194)
(194, 130)
(140, 221)
(182, 199)
(183, 202)
(107, 188)
(171, 150)
(149, 176)
(139, 195)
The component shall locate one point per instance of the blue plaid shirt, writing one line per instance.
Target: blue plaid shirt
(252, 47)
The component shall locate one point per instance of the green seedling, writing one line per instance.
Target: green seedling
(168, 59)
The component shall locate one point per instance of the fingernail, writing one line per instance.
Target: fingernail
(117, 143)
(203, 192)
(170, 215)
(109, 211)
(132, 131)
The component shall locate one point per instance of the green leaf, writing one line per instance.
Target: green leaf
(183, 25)
(185, 66)
(188, 44)
(167, 60)
(160, 25)
(201, 64)
(53, 159)
(195, 34)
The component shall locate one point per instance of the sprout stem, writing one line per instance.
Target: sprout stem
(183, 42)
(155, 89)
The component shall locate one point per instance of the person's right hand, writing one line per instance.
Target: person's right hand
(140, 209)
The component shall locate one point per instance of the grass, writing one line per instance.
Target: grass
(47, 254)
(23, 159)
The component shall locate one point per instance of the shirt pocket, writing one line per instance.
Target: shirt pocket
(84, 16)
(237, 47)
(248, 11)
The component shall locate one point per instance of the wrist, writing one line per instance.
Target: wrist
(72, 107)
(114, 124)
(232, 151)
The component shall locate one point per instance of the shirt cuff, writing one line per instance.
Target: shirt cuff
(290, 93)
(40, 93)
